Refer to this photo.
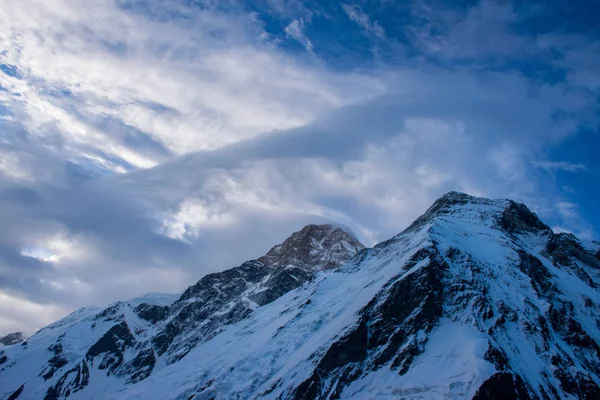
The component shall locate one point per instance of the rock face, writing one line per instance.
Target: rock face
(13, 338)
(477, 299)
(129, 341)
(314, 247)
(224, 298)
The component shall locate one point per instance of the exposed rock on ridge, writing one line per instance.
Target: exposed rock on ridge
(13, 338)
(314, 247)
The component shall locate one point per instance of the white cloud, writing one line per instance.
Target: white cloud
(356, 14)
(11, 165)
(107, 79)
(554, 166)
(568, 210)
(294, 29)
(20, 314)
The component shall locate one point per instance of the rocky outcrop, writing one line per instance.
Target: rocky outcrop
(13, 338)
(314, 247)
(224, 298)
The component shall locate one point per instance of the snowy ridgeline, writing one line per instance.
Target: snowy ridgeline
(476, 299)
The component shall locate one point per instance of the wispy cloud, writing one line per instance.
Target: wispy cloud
(554, 166)
(294, 29)
(356, 14)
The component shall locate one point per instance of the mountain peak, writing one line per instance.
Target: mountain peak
(457, 196)
(507, 215)
(314, 247)
(13, 338)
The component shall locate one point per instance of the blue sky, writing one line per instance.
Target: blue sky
(145, 143)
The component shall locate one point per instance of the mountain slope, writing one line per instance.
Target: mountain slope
(477, 299)
(93, 352)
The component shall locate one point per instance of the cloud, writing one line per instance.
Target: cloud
(121, 86)
(554, 166)
(20, 314)
(357, 15)
(294, 29)
(486, 33)
(572, 221)
(373, 166)
(145, 144)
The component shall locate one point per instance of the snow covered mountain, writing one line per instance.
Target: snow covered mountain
(92, 350)
(477, 299)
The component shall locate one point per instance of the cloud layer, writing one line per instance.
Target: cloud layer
(144, 144)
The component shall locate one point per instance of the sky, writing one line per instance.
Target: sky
(144, 143)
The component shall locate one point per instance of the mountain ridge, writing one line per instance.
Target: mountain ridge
(131, 339)
(477, 299)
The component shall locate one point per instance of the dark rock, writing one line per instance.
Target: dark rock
(13, 338)
(55, 363)
(72, 381)
(503, 386)
(281, 282)
(16, 393)
(151, 312)
(497, 357)
(518, 218)
(580, 385)
(140, 367)
(110, 313)
(564, 250)
(541, 279)
(111, 347)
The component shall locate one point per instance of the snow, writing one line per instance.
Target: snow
(276, 348)
(77, 333)
(451, 367)
(278, 339)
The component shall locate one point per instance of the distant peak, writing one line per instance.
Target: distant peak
(314, 247)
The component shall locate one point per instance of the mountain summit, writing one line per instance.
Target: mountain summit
(477, 299)
(314, 247)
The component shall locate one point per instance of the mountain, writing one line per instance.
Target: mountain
(94, 350)
(13, 338)
(477, 299)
